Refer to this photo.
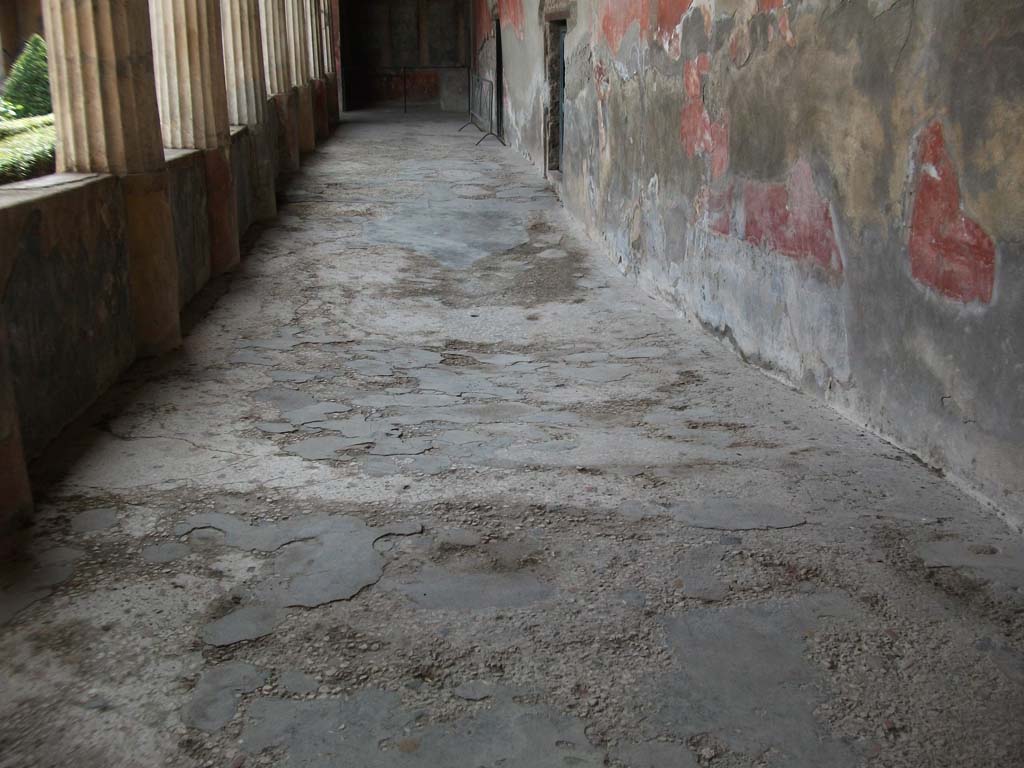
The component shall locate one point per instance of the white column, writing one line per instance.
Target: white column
(101, 77)
(243, 62)
(328, 36)
(275, 45)
(107, 121)
(189, 54)
(298, 42)
(189, 50)
(316, 40)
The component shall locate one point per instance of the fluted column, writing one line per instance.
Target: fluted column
(298, 71)
(107, 121)
(298, 41)
(277, 66)
(314, 47)
(101, 76)
(328, 35)
(243, 62)
(188, 49)
(332, 34)
(316, 38)
(245, 75)
(189, 52)
(275, 45)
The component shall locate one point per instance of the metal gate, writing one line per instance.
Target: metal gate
(481, 107)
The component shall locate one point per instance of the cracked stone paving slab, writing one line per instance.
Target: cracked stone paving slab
(372, 730)
(315, 561)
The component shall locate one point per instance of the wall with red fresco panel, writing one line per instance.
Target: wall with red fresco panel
(949, 251)
(483, 24)
(619, 16)
(700, 134)
(792, 218)
(669, 23)
(834, 187)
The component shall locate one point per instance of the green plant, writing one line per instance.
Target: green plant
(28, 153)
(10, 128)
(8, 111)
(28, 85)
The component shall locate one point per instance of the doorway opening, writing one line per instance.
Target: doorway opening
(557, 31)
(499, 84)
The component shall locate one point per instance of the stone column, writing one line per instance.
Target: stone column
(188, 49)
(275, 45)
(297, 17)
(273, 16)
(104, 99)
(334, 73)
(327, 65)
(316, 67)
(316, 38)
(243, 62)
(244, 73)
(330, 65)
(298, 40)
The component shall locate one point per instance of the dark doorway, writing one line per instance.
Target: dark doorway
(557, 31)
(499, 84)
(406, 53)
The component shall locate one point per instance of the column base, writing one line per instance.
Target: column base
(15, 489)
(262, 171)
(323, 125)
(307, 120)
(222, 209)
(333, 99)
(287, 108)
(153, 262)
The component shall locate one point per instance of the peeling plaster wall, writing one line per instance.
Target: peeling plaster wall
(522, 40)
(832, 185)
(485, 49)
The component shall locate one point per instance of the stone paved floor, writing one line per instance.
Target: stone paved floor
(431, 485)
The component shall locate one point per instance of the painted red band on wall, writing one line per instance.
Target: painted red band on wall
(483, 23)
(617, 16)
(699, 135)
(670, 17)
(511, 14)
(949, 251)
(792, 218)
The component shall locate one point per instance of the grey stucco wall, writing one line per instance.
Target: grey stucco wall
(832, 186)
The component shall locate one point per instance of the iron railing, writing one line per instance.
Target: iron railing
(481, 107)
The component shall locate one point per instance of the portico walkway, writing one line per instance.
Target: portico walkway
(431, 484)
